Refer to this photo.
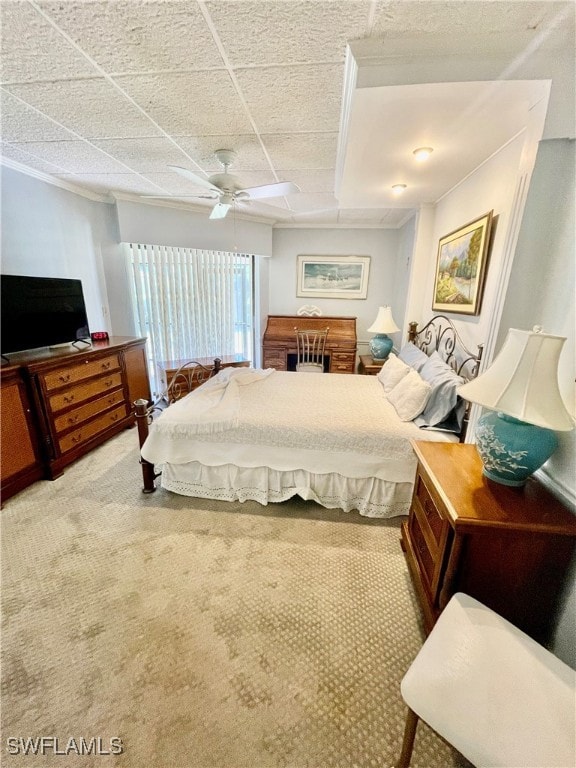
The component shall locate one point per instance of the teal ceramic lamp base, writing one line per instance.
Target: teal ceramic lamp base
(380, 346)
(510, 449)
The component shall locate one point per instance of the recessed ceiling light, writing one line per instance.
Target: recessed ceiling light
(422, 153)
(398, 188)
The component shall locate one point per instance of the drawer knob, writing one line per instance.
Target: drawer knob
(64, 378)
(114, 417)
(72, 419)
(68, 398)
(77, 438)
(109, 382)
(106, 366)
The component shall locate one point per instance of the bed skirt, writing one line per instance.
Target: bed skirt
(371, 497)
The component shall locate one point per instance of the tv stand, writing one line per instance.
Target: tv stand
(58, 404)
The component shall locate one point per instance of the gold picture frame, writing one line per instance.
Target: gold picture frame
(461, 267)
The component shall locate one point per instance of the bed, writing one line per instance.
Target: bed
(343, 441)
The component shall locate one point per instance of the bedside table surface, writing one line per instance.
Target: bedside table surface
(473, 501)
(369, 366)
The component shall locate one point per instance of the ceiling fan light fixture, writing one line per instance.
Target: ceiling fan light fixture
(398, 189)
(422, 153)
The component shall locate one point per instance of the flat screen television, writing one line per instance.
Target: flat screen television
(41, 312)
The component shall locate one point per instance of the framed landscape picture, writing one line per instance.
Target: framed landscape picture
(333, 277)
(461, 268)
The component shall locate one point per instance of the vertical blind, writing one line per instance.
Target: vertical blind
(190, 302)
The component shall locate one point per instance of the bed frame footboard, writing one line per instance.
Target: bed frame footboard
(189, 376)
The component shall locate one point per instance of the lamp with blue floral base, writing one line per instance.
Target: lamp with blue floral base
(381, 343)
(517, 435)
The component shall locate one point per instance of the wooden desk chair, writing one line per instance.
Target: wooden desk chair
(310, 346)
(496, 695)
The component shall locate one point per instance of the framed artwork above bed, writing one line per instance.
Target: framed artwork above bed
(333, 277)
(461, 268)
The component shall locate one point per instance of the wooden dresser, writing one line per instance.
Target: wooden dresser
(279, 342)
(509, 548)
(21, 462)
(68, 402)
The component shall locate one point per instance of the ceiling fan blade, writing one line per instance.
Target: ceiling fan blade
(192, 177)
(272, 190)
(220, 210)
(180, 197)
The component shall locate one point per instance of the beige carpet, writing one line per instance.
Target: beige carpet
(202, 634)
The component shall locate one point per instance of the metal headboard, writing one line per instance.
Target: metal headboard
(440, 335)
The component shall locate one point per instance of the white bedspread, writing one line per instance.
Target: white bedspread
(289, 421)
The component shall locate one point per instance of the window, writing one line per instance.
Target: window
(191, 303)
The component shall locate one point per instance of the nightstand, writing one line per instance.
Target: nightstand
(509, 548)
(368, 366)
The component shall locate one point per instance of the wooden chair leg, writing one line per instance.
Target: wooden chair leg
(409, 736)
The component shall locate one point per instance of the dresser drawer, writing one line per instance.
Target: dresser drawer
(432, 522)
(66, 376)
(430, 533)
(423, 555)
(77, 416)
(86, 431)
(81, 392)
(342, 362)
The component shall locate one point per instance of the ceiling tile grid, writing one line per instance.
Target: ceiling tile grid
(109, 93)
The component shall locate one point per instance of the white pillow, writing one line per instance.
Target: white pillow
(392, 372)
(410, 395)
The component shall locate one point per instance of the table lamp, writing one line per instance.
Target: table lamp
(381, 344)
(520, 388)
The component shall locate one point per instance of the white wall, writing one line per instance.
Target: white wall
(541, 292)
(50, 232)
(491, 187)
(168, 225)
(380, 244)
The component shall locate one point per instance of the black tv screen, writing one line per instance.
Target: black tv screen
(41, 312)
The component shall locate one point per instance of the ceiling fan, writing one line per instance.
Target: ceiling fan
(227, 189)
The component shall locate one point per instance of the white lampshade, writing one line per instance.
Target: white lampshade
(384, 322)
(523, 381)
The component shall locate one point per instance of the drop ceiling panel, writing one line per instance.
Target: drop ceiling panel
(92, 108)
(22, 123)
(73, 156)
(311, 32)
(189, 104)
(401, 18)
(20, 155)
(33, 50)
(110, 182)
(249, 153)
(326, 217)
(294, 99)
(312, 202)
(302, 150)
(313, 181)
(144, 155)
(135, 36)
(174, 184)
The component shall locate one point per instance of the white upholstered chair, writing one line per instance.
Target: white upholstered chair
(310, 346)
(490, 691)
